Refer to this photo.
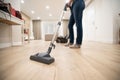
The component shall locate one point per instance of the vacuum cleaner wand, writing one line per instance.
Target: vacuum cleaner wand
(45, 57)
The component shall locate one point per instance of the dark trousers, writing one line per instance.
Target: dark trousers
(76, 17)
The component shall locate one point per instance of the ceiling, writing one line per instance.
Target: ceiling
(39, 8)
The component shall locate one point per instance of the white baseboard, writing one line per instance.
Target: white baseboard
(4, 45)
(102, 41)
(108, 41)
(16, 43)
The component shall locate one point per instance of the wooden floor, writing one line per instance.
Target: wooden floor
(93, 61)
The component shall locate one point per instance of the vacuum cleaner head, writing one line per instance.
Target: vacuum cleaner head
(43, 58)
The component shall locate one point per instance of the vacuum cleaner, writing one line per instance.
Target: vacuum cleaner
(45, 57)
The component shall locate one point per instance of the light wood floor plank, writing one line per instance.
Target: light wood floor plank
(93, 61)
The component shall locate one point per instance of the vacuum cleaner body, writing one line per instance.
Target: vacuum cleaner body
(45, 57)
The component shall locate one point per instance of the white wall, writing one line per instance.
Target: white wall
(89, 23)
(103, 21)
(99, 21)
(116, 20)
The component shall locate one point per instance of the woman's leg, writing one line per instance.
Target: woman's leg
(70, 26)
(77, 13)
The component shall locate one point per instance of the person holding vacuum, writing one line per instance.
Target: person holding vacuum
(76, 7)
